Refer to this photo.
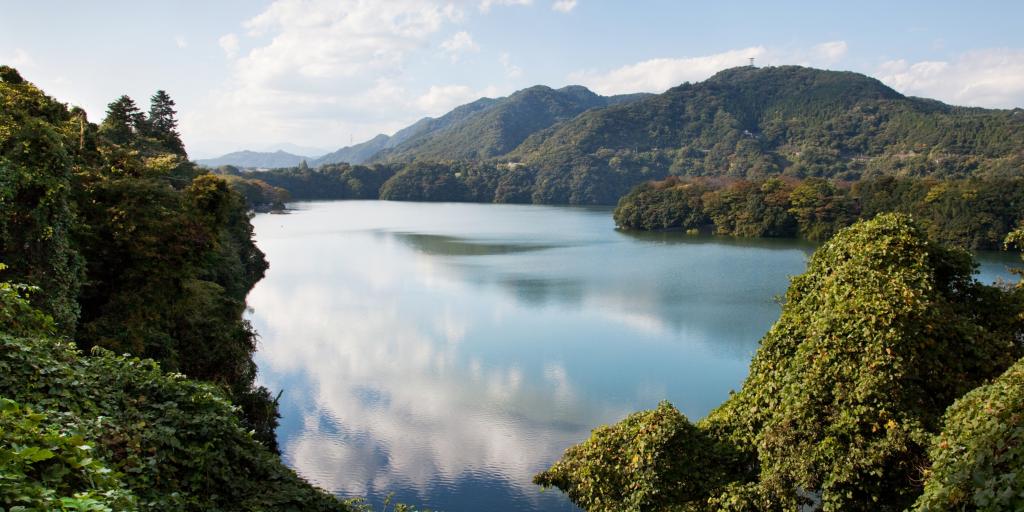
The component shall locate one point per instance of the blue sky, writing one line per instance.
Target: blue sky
(319, 73)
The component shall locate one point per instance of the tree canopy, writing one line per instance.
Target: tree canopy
(884, 331)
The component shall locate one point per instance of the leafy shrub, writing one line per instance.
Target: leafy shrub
(652, 460)
(978, 459)
(45, 468)
(880, 335)
(173, 443)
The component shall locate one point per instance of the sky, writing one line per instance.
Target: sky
(315, 75)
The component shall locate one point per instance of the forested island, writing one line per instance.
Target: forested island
(892, 380)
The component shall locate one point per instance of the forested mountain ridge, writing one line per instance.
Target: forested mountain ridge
(571, 146)
(456, 135)
(750, 122)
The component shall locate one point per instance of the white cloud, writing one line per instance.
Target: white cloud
(229, 43)
(180, 42)
(511, 70)
(564, 5)
(831, 51)
(440, 99)
(657, 75)
(322, 67)
(485, 5)
(458, 44)
(986, 78)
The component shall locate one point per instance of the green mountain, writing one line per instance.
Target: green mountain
(366, 151)
(794, 120)
(571, 146)
(485, 128)
(490, 128)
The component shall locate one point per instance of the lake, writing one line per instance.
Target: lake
(447, 352)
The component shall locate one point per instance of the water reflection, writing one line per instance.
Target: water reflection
(448, 352)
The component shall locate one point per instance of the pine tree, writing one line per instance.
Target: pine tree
(124, 121)
(162, 124)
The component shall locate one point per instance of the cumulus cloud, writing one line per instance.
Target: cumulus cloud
(564, 5)
(458, 44)
(323, 67)
(442, 97)
(229, 43)
(991, 78)
(657, 75)
(485, 5)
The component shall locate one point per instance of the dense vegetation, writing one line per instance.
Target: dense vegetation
(130, 248)
(107, 432)
(847, 403)
(340, 181)
(973, 213)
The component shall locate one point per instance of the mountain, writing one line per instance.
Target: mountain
(489, 128)
(255, 160)
(569, 145)
(295, 149)
(800, 121)
(355, 154)
(485, 128)
(366, 151)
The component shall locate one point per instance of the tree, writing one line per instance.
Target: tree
(36, 206)
(124, 121)
(162, 124)
(880, 335)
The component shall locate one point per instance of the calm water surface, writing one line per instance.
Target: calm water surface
(447, 352)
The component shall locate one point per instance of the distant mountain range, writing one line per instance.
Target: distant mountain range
(482, 129)
(256, 160)
(571, 145)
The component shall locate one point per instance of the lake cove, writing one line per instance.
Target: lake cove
(446, 352)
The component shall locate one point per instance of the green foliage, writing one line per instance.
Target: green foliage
(652, 460)
(37, 139)
(880, 335)
(973, 213)
(338, 181)
(442, 182)
(113, 427)
(126, 244)
(124, 122)
(978, 458)
(16, 313)
(259, 195)
(44, 468)
(161, 123)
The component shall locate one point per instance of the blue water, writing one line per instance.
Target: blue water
(447, 352)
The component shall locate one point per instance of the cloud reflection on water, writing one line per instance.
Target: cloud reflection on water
(423, 356)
